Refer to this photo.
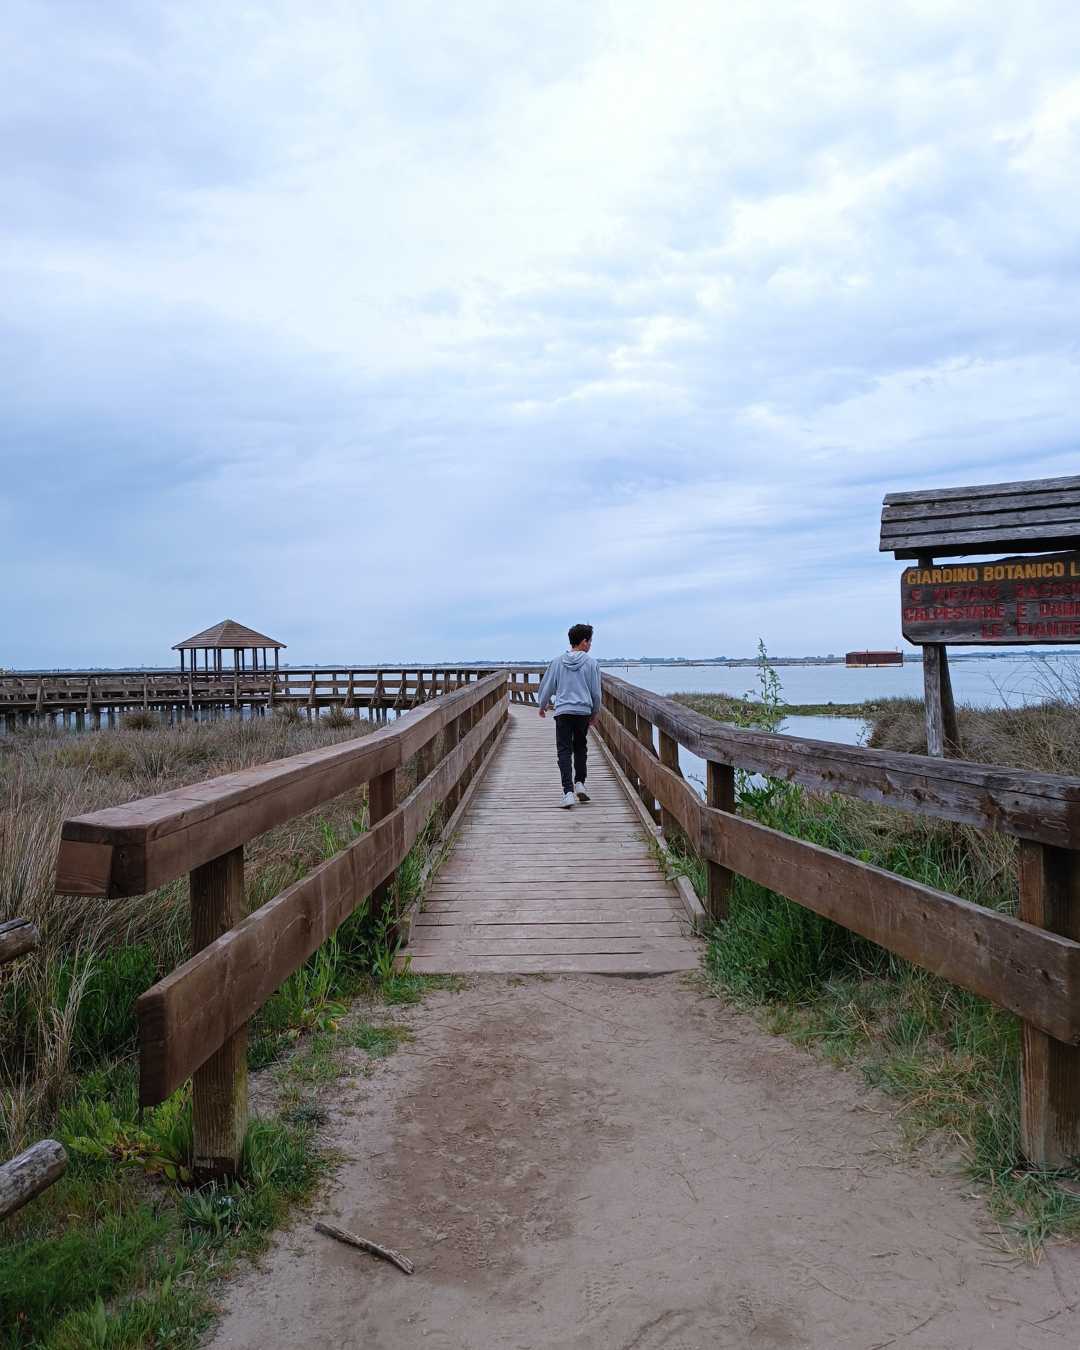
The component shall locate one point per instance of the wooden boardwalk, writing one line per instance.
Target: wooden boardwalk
(531, 887)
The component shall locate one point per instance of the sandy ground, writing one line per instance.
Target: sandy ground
(587, 1161)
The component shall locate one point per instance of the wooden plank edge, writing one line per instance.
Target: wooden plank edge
(445, 841)
(695, 910)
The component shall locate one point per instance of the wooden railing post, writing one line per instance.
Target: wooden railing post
(219, 1088)
(451, 736)
(719, 793)
(467, 721)
(1050, 1069)
(382, 791)
(643, 730)
(628, 719)
(669, 758)
(425, 760)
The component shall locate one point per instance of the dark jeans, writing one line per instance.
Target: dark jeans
(571, 740)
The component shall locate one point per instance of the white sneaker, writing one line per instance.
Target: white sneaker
(582, 795)
(568, 800)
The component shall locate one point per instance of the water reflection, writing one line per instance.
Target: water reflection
(844, 730)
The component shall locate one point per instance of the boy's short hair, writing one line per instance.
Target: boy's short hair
(579, 633)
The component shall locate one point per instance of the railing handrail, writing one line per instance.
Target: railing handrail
(344, 668)
(193, 1023)
(134, 848)
(1029, 964)
(1040, 806)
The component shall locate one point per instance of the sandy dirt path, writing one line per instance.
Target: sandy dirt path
(584, 1161)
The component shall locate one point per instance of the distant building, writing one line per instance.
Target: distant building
(874, 659)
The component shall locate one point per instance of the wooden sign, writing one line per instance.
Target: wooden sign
(1007, 602)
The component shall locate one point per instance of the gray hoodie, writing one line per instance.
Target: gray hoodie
(572, 684)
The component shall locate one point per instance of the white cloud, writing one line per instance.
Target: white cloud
(482, 315)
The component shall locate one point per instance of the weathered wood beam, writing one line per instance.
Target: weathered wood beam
(1033, 973)
(189, 1015)
(949, 508)
(942, 732)
(1050, 1070)
(1043, 807)
(30, 1173)
(17, 937)
(220, 1087)
(981, 490)
(160, 838)
(720, 795)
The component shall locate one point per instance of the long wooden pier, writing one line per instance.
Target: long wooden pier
(93, 698)
(577, 890)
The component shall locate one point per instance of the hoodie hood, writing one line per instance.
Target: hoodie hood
(572, 685)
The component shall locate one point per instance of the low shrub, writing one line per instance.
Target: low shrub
(141, 719)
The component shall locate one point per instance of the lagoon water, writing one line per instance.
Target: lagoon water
(982, 682)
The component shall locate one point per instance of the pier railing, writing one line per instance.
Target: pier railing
(80, 695)
(1029, 965)
(193, 1023)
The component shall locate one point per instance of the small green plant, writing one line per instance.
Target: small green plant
(378, 1041)
(331, 844)
(211, 1212)
(161, 1146)
(306, 1001)
(336, 719)
(105, 1021)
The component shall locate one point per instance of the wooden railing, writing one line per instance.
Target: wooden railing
(1029, 965)
(384, 689)
(193, 1024)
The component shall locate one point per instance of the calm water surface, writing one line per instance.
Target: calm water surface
(983, 683)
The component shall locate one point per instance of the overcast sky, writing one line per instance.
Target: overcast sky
(420, 330)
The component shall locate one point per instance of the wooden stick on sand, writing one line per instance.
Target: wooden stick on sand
(402, 1262)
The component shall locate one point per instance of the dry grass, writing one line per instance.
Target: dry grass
(1041, 737)
(47, 776)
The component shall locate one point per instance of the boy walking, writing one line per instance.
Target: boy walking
(572, 685)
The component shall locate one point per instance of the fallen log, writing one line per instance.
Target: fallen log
(29, 1174)
(17, 937)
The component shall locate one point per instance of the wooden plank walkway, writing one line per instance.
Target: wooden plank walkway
(531, 887)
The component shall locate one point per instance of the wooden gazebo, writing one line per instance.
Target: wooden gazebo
(228, 636)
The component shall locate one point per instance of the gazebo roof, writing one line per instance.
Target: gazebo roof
(227, 635)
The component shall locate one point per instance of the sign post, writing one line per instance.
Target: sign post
(1031, 596)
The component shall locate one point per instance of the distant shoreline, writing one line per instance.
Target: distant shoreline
(606, 663)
